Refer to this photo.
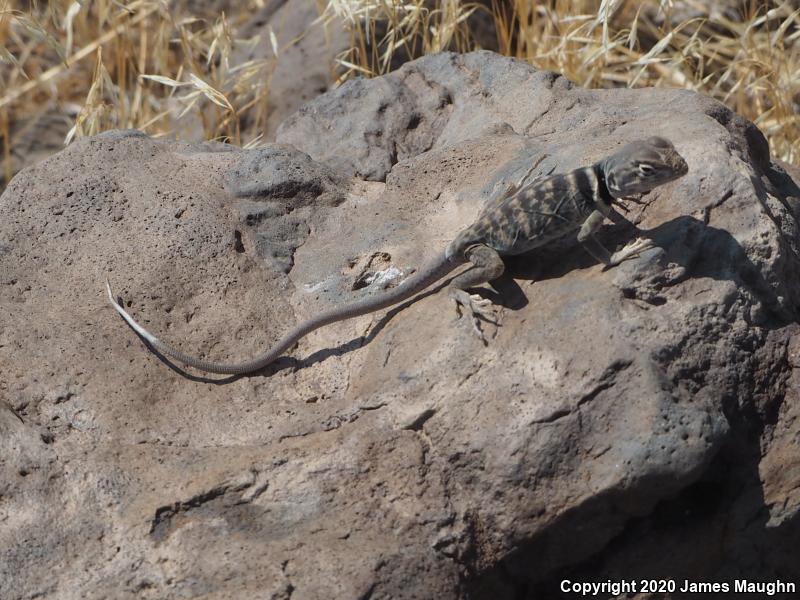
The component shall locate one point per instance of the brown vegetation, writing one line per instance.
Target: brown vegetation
(170, 68)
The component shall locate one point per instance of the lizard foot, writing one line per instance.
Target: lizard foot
(632, 249)
(477, 307)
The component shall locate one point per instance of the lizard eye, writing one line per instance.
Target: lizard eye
(646, 170)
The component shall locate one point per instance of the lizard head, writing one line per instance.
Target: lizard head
(641, 166)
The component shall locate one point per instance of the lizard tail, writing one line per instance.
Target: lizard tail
(435, 271)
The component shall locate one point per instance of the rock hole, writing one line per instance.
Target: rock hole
(363, 280)
(237, 241)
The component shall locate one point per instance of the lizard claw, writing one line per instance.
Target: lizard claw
(632, 249)
(478, 309)
(478, 306)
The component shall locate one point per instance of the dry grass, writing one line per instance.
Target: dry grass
(747, 57)
(146, 64)
(401, 29)
(170, 69)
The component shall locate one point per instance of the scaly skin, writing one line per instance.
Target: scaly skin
(526, 218)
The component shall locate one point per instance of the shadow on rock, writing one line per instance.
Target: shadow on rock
(686, 247)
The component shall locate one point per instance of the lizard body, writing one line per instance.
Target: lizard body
(526, 218)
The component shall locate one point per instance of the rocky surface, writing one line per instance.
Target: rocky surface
(639, 421)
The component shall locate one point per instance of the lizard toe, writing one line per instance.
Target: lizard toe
(632, 249)
(476, 328)
(477, 308)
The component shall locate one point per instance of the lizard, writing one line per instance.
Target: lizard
(522, 219)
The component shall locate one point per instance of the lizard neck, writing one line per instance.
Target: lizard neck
(603, 197)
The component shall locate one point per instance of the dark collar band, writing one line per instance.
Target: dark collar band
(602, 188)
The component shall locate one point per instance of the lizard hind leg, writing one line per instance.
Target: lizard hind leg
(486, 266)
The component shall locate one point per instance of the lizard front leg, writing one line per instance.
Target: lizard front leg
(486, 266)
(599, 252)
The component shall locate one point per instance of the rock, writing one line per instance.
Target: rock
(307, 49)
(613, 414)
(274, 182)
(37, 136)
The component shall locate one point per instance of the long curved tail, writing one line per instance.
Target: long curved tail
(435, 271)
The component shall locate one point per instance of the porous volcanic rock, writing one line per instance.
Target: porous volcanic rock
(641, 420)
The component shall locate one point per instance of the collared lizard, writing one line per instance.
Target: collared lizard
(520, 220)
